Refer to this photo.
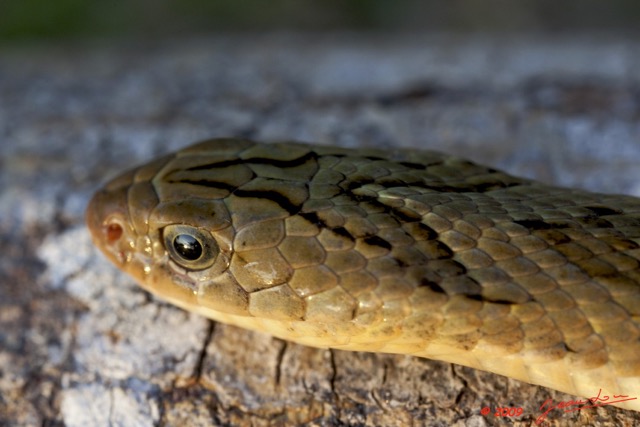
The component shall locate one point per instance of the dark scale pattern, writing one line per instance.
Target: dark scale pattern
(411, 252)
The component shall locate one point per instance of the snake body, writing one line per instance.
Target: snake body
(407, 251)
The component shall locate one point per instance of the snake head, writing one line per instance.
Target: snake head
(175, 246)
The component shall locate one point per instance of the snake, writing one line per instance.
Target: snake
(404, 251)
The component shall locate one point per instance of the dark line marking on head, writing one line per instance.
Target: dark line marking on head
(341, 231)
(603, 210)
(313, 218)
(279, 198)
(353, 184)
(429, 233)
(482, 298)
(311, 155)
(534, 224)
(377, 241)
(433, 286)
(205, 183)
(446, 251)
(412, 165)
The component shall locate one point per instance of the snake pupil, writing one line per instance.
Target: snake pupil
(187, 247)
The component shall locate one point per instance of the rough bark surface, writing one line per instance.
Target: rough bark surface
(81, 345)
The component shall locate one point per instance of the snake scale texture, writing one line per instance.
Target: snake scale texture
(405, 251)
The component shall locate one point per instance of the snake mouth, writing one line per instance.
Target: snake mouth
(181, 277)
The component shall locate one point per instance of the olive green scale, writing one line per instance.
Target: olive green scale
(406, 251)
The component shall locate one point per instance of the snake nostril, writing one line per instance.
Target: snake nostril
(113, 232)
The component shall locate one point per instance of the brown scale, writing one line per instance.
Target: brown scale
(411, 251)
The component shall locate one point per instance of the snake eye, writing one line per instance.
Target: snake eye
(187, 247)
(190, 247)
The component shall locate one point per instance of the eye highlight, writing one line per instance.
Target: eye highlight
(187, 247)
(190, 247)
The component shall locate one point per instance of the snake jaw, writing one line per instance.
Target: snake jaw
(181, 277)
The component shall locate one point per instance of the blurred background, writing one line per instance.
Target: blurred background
(79, 19)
